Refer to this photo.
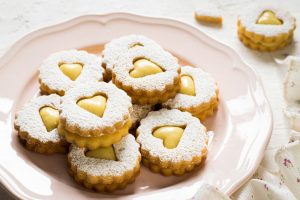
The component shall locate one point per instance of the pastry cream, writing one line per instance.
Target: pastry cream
(268, 18)
(71, 70)
(95, 105)
(187, 85)
(144, 67)
(170, 135)
(50, 117)
(107, 153)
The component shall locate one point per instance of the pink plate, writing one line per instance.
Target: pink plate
(242, 125)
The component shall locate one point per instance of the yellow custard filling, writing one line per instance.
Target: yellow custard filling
(268, 18)
(50, 117)
(187, 85)
(95, 105)
(144, 67)
(170, 135)
(71, 70)
(95, 142)
(106, 153)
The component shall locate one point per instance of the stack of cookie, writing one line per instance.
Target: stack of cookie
(266, 28)
(80, 113)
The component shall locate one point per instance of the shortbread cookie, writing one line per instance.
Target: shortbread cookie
(172, 142)
(208, 15)
(63, 70)
(266, 28)
(117, 47)
(148, 75)
(37, 123)
(95, 115)
(106, 169)
(198, 93)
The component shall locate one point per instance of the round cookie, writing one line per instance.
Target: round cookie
(198, 93)
(106, 169)
(149, 76)
(266, 28)
(37, 123)
(107, 109)
(117, 47)
(63, 70)
(172, 142)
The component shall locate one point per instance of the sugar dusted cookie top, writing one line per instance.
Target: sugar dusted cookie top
(127, 154)
(249, 21)
(121, 45)
(193, 140)
(205, 89)
(167, 62)
(80, 121)
(28, 119)
(55, 79)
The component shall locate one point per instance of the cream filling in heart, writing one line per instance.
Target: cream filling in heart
(95, 105)
(50, 117)
(187, 85)
(268, 18)
(144, 67)
(106, 153)
(170, 135)
(71, 70)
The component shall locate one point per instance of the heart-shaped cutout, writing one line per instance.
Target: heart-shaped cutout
(71, 70)
(170, 135)
(107, 153)
(187, 85)
(268, 18)
(144, 67)
(50, 117)
(95, 105)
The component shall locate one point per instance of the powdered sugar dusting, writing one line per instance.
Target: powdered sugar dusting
(118, 105)
(127, 153)
(248, 20)
(205, 87)
(28, 119)
(53, 77)
(139, 112)
(119, 46)
(151, 82)
(191, 143)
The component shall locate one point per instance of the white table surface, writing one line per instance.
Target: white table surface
(19, 17)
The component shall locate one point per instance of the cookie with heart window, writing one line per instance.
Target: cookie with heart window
(37, 124)
(148, 75)
(95, 115)
(63, 70)
(266, 28)
(172, 142)
(117, 47)
(106, 169)
(198, 93)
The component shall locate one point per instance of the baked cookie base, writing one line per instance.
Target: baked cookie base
(169, 168)
(94, 142)
(49, 147)
(144, 97)
(104, 183)
(261, 42)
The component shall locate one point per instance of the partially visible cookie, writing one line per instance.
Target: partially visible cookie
(63, 70)
(117, 47)
(106, 169)
(265, 28)
(37, 124)
(172, 142)
(198, 94)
